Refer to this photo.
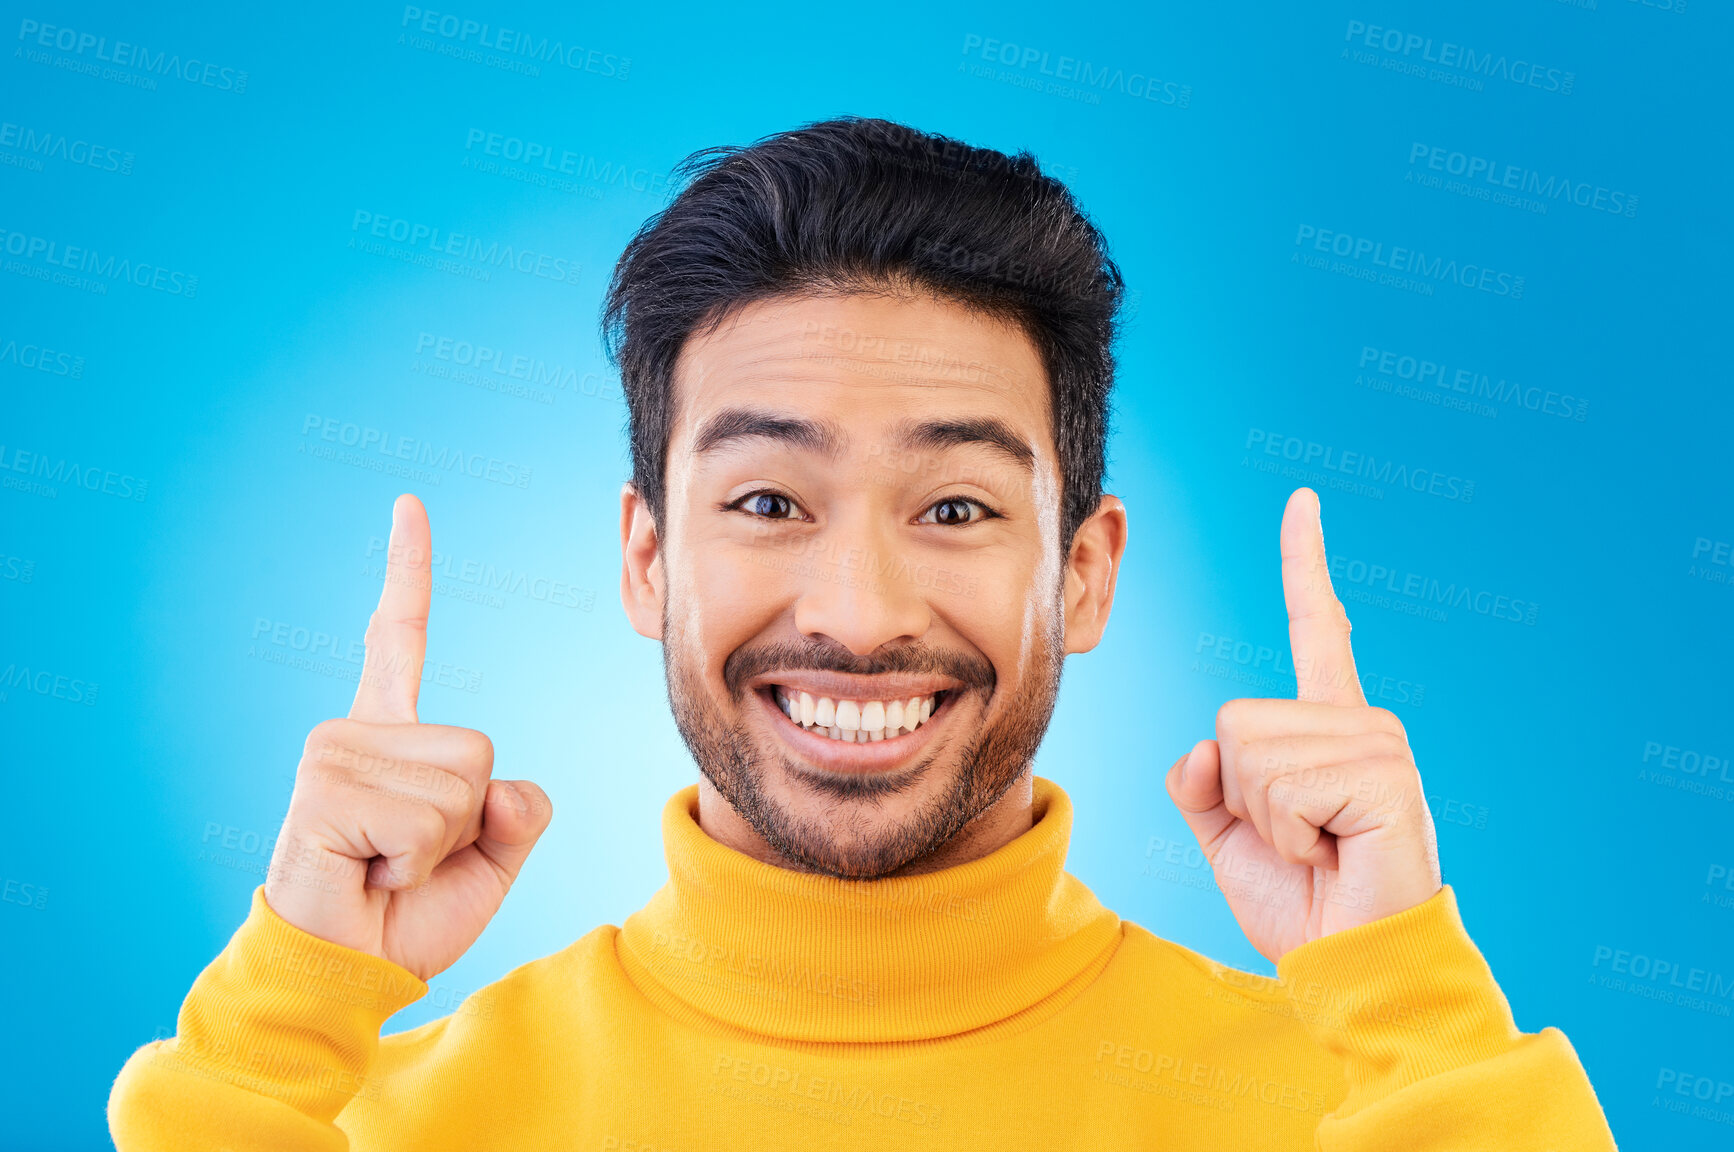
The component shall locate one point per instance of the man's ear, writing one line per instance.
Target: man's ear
(643, 584)
(1091, 570)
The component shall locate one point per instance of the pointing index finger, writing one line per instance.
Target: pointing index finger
(1318, 627)
(397, 634)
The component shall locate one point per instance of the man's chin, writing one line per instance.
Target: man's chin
(852, 825)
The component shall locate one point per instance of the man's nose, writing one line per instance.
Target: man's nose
(862, 596)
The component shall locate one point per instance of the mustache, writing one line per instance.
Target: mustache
(820, 656)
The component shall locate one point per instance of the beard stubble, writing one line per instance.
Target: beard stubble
(843, 842)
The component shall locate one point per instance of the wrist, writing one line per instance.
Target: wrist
(1399, 998)
(289, 1015)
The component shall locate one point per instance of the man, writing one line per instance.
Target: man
(867, 371)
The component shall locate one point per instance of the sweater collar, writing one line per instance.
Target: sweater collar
(805, 957)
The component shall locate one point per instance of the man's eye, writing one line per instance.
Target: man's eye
(770, 505)
(957, 510)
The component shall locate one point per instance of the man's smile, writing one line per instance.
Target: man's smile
(856, 725)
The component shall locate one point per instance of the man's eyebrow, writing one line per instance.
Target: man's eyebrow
(937, 435)
(730, 424)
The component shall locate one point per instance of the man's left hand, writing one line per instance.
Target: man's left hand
(1310, 810)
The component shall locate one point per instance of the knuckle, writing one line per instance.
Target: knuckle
(1395, 765)
(1328, 611)
(457, 795)
(1270, 763)
(1386, 720)
(1390, 743)
(325, 735)
(477, 748)
(464, 749)
(428, 826)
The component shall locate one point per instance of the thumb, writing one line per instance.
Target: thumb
(514, 816)
(1195, 786)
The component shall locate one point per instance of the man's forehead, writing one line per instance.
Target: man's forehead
(900, 355)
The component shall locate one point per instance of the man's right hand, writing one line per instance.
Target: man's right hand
(398, 841)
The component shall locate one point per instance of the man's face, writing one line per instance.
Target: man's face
(862, 519)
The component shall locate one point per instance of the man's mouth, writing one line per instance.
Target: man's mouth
(856, 721)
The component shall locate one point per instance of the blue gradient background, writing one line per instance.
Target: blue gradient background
(1533, 733)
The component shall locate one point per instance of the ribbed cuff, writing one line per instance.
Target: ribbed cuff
(289, 1015)
(1406, 997)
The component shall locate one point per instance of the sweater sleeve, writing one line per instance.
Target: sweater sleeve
(1432, 1059)
(274, 1040)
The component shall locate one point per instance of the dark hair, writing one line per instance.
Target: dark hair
(857, 204)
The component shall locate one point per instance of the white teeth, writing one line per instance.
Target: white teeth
(854, 721)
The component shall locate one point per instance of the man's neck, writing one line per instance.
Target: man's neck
(1002, 822)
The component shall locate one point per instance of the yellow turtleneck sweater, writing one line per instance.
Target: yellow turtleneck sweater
(994, 1005)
